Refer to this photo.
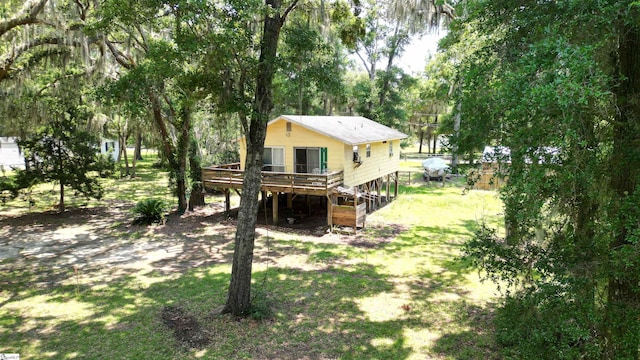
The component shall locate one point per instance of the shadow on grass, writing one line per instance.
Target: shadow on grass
(336, 304)
(316, 316)
(476, 341)
(336, 311)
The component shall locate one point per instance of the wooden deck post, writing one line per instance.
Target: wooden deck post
(289, 200)
(227, 200)
(395, 190)
(372, 199)
(367, 195)
(387, 196)
(274, 196)
(330, 199)
(378, 193)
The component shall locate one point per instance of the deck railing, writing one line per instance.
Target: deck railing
(230, 176)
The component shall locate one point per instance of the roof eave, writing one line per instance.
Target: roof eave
(404, 136)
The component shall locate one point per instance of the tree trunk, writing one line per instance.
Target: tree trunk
(133, 166)
(167, 147)
(421, 138)
(435, 135)
(123, 149)
(137, 155)
(196, 198)
(239, 299)
(456, 132)
(300, 85)
(61, 207)
(392, 54)
(168, 150)
(182, 154)
(622, 313)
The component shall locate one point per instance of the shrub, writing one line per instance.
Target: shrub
(149, 211)
(547, 322)
(105, 165)
(260, 306)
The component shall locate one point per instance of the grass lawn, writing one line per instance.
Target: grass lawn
(396, 290)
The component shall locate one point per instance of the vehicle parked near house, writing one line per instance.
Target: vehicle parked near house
(436, 169)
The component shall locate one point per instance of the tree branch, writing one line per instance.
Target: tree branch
(144, 41)
(121, 58)
(10, 59)
(366, 65)
(59, 79)
(283, 18)
(27, 15)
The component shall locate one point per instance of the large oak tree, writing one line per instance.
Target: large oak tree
(564, 98)
(239, 299)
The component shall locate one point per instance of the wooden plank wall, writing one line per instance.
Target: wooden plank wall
(352, 216)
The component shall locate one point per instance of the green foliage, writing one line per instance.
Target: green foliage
(535, 82)
(502, 263)
(149, 211)
(105, 165)
(225, 156)
(350, 26)
(363, 93)
(195, 163)
(311, 71)
(64, 153)
(261, 306)
(8, 188)
(548, 322)
(390, 107)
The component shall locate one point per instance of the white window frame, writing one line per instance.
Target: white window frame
(356, 154)
(281, 167)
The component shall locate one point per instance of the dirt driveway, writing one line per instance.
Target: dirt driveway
(101, 243)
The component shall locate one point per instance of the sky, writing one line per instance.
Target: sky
(413, 59)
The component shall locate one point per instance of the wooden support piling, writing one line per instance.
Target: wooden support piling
(274, 196)
(227, 200)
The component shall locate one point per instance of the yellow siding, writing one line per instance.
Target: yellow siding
(299, 137)
(339, 155)
(379, 164)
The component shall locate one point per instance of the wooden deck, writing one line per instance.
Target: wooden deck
(230, 176)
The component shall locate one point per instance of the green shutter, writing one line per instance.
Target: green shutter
(323, 160)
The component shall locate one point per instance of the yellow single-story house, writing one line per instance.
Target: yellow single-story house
(329, 156)
(363, 149)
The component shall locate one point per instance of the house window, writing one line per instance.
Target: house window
(390, 148)
(273, 159)
(307, 160)
(288, 126)
(356, 154)
(368, 150)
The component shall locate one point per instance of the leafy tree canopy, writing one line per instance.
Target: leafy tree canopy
(65, 152)
(563, 100)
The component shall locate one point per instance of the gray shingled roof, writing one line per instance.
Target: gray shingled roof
(351, 130)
